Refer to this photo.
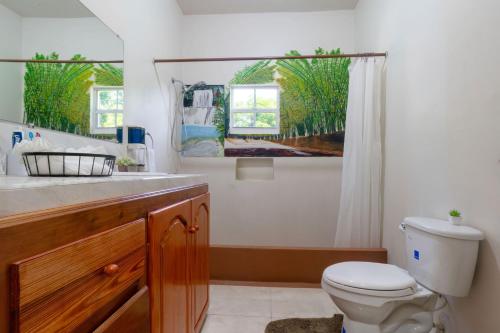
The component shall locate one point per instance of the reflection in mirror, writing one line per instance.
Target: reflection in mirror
(79, 98)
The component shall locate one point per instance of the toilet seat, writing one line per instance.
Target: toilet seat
(370, 279)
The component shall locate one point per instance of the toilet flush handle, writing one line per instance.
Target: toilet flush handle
(402, 227)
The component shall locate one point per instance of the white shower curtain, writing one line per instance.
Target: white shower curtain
(359, 220)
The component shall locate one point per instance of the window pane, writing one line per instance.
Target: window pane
(120, 100)
(243, 98)
(107, 99)
(265, 119)
(266, 98)
(243, 119)
(119, 119)
(106, 120)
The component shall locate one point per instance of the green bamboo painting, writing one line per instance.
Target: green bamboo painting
(313, 104)
(57, 96)
(314, 94)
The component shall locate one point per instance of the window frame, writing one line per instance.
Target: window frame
(255, 130)
(94, 112)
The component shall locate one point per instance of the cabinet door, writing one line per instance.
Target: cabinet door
(168, 268)
(199, 259)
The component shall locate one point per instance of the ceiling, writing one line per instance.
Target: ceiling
(194, 7)
(48, 8)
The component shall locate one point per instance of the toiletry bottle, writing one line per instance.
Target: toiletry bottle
(15, 166)
(17, 136)
(29, 132)
(3, 163)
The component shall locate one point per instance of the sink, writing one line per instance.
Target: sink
(140, 174)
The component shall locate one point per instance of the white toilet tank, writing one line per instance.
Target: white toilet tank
(441, 256)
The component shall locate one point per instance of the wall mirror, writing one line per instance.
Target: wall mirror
(74, 97)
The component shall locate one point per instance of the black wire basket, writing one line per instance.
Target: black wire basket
(53, 164)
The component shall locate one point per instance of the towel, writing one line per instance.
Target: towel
(151, 160)
(203, 98)
(3, 163)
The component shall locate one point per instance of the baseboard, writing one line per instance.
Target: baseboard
(282, 265)
(265, 284)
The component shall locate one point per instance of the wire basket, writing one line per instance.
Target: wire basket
(53, 164)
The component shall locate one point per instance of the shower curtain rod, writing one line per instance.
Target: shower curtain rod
(322, 56)
(48, 61)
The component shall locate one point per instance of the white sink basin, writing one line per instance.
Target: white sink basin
(140, 174)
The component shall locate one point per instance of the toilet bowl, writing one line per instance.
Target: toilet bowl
(382, 298)
(379, 298)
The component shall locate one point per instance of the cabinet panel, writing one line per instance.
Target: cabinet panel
(75, 287)
(168, 268)
(132, 317)
(199, 253)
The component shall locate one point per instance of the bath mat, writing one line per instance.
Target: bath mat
(312, 325)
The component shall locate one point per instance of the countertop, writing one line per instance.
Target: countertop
(28, 194)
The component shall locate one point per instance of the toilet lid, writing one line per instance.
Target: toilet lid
(371, 279)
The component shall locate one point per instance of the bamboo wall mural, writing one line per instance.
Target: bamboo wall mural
(314, 95)
(57, 96)
(312, 107)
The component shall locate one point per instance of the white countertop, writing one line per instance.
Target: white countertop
(27, 194)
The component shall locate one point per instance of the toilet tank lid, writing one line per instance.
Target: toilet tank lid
(444, 228)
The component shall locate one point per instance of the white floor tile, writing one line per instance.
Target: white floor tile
(263, 293)
(298, 302)
(240, 301)
(240, 307)
(232, 324)
(299, 293)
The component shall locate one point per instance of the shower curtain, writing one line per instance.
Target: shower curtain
(359, 219)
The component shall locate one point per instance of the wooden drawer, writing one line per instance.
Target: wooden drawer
(132, 317)
(76, 287)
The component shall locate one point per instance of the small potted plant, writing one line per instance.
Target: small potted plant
(455, 217)
(124, 163)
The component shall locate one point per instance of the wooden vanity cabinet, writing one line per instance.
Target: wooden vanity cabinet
(178, 266)
(134, 264)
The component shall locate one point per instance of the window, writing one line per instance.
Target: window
(107, 110)
(255, 109)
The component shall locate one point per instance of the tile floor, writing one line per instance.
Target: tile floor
(249, 309)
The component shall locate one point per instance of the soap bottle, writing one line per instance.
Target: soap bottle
(17, 136)
(14, 164)
(29, 132)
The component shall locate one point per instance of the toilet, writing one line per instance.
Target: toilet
(383, 298)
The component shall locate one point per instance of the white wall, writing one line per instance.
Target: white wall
(296, 209)
(299, 207)
(11, 74)
(87, 36)
(150, 29)
(267, 34)
(442, 141)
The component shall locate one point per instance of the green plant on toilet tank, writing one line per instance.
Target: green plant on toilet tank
(455, 217)
(57, 96)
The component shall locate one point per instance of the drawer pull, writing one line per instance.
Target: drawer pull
(111, 269)
(196, 227)
(192, 230)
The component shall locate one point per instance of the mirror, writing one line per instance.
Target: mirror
(78, 98)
